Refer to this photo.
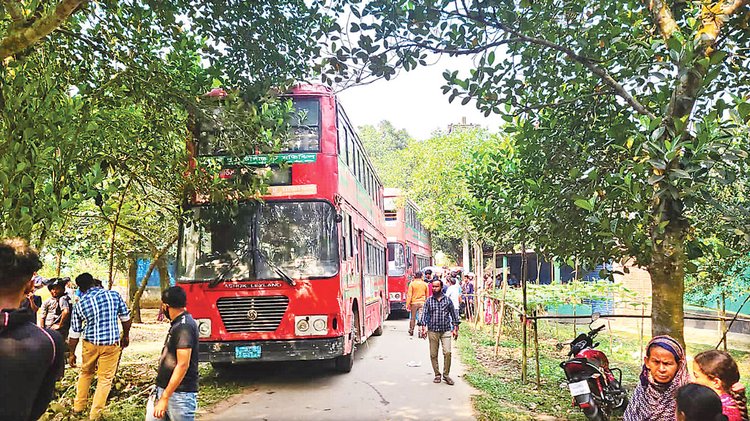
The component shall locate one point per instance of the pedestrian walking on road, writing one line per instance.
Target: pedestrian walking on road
(454, 293)
(415, 298)
(95, 319)
(439, 323)
(176, 395)
(31, 358)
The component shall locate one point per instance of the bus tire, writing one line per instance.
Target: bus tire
(379, 330)
(344, 363)
(221, 368)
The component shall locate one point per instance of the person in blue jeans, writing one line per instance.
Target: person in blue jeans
(176, 394)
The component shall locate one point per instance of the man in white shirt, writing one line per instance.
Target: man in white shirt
(453, 292)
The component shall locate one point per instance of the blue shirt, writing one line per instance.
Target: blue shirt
(96, 317)
(439, 315)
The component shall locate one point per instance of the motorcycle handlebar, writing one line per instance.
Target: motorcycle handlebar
(595, 331)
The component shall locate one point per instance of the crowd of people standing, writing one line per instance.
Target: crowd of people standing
(33, 348)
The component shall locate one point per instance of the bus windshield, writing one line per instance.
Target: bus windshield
(252, 240)
(396, 260)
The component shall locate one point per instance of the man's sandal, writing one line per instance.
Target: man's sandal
(436, 379)
(448, 380)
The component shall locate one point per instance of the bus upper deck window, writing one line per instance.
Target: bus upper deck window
(305, 133)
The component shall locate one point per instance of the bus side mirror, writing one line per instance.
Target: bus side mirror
(339, 218)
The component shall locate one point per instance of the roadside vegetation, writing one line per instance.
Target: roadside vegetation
(502, 395)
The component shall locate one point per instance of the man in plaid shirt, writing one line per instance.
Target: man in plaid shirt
(95, 318)
(439, 323)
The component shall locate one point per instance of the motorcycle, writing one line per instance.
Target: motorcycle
(591, 380)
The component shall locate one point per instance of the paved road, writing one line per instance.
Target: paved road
(381, 386)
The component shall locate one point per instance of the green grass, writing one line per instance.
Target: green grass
(503, 395)
(215, 388)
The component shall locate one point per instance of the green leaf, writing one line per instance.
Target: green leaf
(584, 204)
(744, 110)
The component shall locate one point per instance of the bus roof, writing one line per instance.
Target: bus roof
(315, 89)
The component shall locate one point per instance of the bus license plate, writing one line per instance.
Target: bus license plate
(579, 388)
(247, 352)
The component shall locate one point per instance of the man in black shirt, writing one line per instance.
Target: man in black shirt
(31, 358)
(177, 379)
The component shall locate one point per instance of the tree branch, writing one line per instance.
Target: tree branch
(585, 61)
(663, 18)
(15, 12)
(133, 231)
(528, 108)
(466, 51)
(734, 6)
(23, 38)
(713, 19)
(691, 77)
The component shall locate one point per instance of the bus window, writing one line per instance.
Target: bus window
(349, 148)
(299, 238)
(351, 238)
(305, 135)
(344, 236)
(396, 260)
(340, 136)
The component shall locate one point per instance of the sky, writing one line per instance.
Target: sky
(414, 101)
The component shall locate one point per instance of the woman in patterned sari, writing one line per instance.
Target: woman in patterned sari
(664, 371)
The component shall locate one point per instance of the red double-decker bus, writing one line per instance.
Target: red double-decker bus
(409, 247)
(300, 274)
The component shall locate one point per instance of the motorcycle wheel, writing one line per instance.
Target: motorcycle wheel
(595, 414)
(622, 405)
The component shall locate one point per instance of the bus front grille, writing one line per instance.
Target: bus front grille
(252, 314)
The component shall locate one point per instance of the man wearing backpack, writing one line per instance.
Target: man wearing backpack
(31, 358)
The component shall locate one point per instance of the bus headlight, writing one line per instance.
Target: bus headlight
(319, 325)
(311, 325)
(302, 326)
(204, 328)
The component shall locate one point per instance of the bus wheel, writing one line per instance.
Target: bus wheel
(344, 363)
(221, 368)
(379, 330)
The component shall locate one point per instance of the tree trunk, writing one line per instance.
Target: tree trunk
(465, 245)
(132, 276)
(58, 265)
(163, 269)
(135, 305)
(667, 270)
(480, 251)
(723, 322)
(113, 236)
(524, 277)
